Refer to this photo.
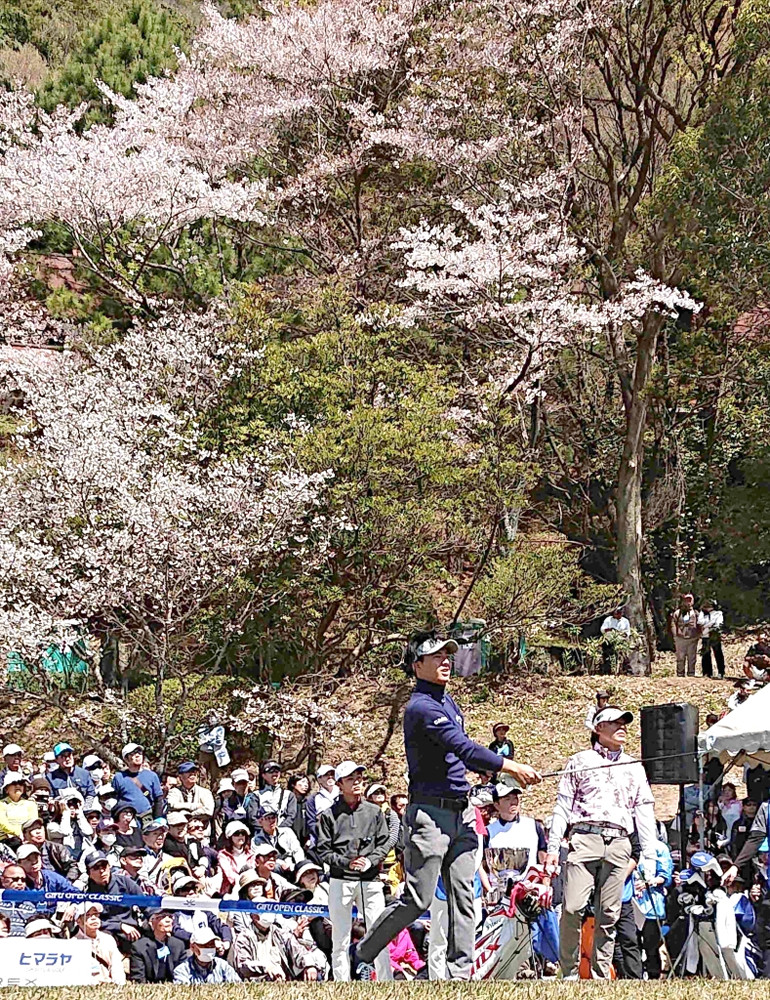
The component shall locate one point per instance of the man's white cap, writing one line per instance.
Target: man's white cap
(49, 757)
(12, 748)
(611, 714)
(25, 850)
(324, 769)
(346, 768)
(261, 849)
(38, 924)
(225, 785)
(431, 646)
(202, 935)
(83, 908)
(239, 774)
(91, 760)
(130, 748)
(176, 818)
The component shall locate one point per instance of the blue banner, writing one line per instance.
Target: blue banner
(165, 902)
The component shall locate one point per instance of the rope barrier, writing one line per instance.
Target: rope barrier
(614, 763)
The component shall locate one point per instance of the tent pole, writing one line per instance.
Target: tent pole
(701, 803)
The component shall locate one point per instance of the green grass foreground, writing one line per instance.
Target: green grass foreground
(691, 989)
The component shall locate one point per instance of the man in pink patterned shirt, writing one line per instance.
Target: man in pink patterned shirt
(598, 806)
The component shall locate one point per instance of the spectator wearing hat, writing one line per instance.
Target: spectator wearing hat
(118, 919)
(12, 758)
(232, 794)
(97, 769)
(129, 831)
(204, 965)
(16, 807)
(616, 632)
(501, 744)
(131, 861)
(40, 927)
(41, 796)
(756, 662)
(67, 774)
(108, 799)
(686, 632)
(70, 825)
(272, 794)
(107, 962)
(186, 922)
(154, 958)
(236, 855)
(711, 622)
(513, 830)
(324, 798)
(139, 785)
(307, 875)
(31, 860)
(266, 860)
(282, 838)
(56, 857)
(353, 838)
(600, 802)
(190, 796)
(176, 839)
(157, 861)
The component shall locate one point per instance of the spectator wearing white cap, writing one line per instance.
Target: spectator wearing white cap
(353, 840)
(236, 855)
(98, 770)
(107, 962)
(138, 784)
(186, 886)
(603, 794)
(12, 758)
(230, 804)
(56, 857)
(67, 774)
(39, 927)
(190, 796)
(266, 860)
(511, 829)
(327, 794)
(204, 965)
(31, 860)
(16, 807)
(70, 825)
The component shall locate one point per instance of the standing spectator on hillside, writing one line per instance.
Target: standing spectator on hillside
(602, 700)
(711, 623)
(138, 785)
(686, 632)
(273, 795)
(501, 744)
(353, 840)
(323, 799)
(66, 774)
(756, 663)
(616, 632)
(190, 796)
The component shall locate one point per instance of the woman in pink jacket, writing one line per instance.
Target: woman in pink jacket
(236, 856)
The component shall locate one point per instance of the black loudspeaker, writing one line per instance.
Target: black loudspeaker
(670, 744)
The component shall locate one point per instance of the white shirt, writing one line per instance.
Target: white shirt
(517, 834)
(714, 619)
(612, 624)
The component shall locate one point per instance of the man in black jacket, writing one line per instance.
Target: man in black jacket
(353, 840)
(153, 959)
(117, 919)
(56, 857)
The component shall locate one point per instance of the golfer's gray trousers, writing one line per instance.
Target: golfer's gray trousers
(438, 842)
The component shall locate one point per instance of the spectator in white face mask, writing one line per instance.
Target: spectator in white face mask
(95, 767)
(204, 966)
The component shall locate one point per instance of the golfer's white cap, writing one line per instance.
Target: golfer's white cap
(431, 646)
(612, 714)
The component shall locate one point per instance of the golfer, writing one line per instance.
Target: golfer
(441, 837)
(603, 794)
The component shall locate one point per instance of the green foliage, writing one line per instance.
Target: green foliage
(124, 48)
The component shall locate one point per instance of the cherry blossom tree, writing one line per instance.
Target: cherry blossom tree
(119, 520)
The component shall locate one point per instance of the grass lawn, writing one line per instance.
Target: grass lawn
(691, 989)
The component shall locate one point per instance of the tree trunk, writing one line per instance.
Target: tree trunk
(629, 498)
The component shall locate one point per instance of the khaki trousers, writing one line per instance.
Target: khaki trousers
(592, 864)
(686, 654)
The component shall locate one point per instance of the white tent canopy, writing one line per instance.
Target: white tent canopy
(743, 735)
